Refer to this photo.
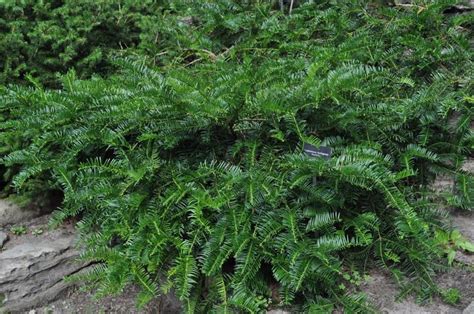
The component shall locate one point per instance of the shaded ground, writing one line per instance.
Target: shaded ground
(77, 301)
(383, 291)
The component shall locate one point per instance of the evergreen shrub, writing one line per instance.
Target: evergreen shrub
(191, 176)
(45, 38)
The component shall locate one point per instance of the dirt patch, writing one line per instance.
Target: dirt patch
(383, 291)
(461, 279)
(77, 301)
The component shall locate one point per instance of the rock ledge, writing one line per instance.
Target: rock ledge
(32, 272)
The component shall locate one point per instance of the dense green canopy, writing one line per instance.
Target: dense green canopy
(185, 165)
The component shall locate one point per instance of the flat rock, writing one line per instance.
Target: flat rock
(469, 309)
(467, 4)
(464, 222)
(11, 213)
(3, 238)
(32, 272)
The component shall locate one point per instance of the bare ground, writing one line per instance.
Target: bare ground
(77, 301)
(383, 291)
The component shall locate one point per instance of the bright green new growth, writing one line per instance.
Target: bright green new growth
(191, 176)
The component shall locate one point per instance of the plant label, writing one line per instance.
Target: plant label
(321, 151)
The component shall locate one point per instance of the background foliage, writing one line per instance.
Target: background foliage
(186, 167)
(44, 38)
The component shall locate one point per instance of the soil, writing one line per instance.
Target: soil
(383, 291)
(78, 301)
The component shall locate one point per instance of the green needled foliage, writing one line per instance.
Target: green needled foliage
(46, 38)
(191, 176)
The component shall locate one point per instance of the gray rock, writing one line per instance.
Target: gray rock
(468, 166)
(446, 182)
(443, 183)
(11, 213)
(469, 309)
(188, 20)
(462, 5)
(31, 273)
(465, 5)
(3, 238)
(169, 303)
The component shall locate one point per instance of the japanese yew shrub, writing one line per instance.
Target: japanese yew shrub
(44, 38)
(191, 176)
